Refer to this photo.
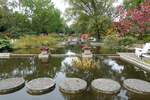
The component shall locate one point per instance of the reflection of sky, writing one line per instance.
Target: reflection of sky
(114, 65)
(61, 5)
(118, 2)
(68, 61)
(23, 72)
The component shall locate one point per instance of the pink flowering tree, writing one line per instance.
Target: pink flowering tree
(134, 21)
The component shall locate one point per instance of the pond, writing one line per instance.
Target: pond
(31, 68)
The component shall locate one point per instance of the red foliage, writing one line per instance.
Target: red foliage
(137, 17)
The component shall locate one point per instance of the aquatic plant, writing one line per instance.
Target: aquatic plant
(84, 63)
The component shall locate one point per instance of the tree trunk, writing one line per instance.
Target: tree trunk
(98, 36)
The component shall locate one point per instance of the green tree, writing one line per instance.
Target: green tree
(128, 4)
(45, 18)
(36, 16)
(92, 15)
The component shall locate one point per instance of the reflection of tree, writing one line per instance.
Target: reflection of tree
(86, 74)
(100, 96)
(73, 97)
(29, 67)
(89, 95)
(20, 67)
(48, 69)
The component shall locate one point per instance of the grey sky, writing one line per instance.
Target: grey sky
(62, 5)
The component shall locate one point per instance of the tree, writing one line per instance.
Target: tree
(136, 21)
(92, 15)
(128, 4)
(4, 15)
(45, 18)
(34, 16)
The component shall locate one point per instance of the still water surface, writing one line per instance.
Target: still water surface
(31, 68)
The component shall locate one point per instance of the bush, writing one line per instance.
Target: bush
(5, 45)
(127, 40)
(111, 41)
(112, 44)
(146, 38)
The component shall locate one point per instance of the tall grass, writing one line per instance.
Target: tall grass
(34, 41)
(85, 64)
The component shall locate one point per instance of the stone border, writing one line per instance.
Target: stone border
(138, 63)
(11, 85)
(106, 86)
(73, 85)
(137, 86)
(40, 86)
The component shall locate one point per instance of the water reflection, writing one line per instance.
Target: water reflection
(114, 65)
(31, 68)
(68, 61)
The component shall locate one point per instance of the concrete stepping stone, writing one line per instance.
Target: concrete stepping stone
(73, 85)
(11, 85)
(106, 86)
(40, 85)
(137, 86)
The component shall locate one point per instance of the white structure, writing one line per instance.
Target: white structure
(142, 52)
(70, 53)
(87, 53)
(4, 55)
(43, 56)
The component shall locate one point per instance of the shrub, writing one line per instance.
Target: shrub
(112, 44)
(5, 45)
(127, 40)
(111, 41)
(146, 38)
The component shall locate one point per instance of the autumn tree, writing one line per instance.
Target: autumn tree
(136, 21)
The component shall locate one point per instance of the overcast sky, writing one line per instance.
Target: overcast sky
(62, 4)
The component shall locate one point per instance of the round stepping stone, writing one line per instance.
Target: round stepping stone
(106, 86)
(137, 86)
(11, 85)
(40, 85)
(73, 85)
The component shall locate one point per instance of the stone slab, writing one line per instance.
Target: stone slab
(73, 85)
(40, 85)
(106, 86)
(137, 86)
(11, 84)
